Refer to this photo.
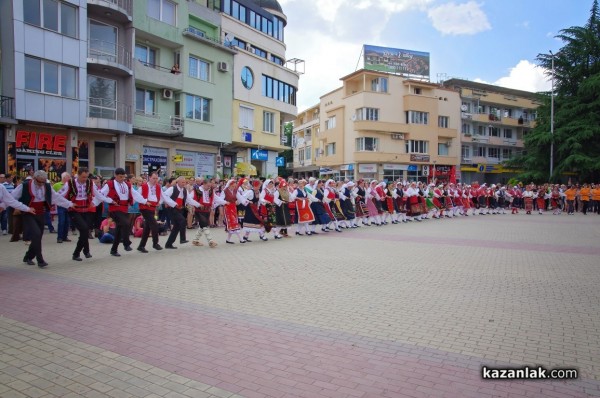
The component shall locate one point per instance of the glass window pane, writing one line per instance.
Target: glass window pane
(149, 102)
(154, 9)
(203, 70)
(68, 82)
(31, 11)
(33, 74)
(189, 106)
(51, 15)
(152, 56)
(168, 12)
(68, 20)
(206, 110)
(141, 53)
(139, 100)
(193, 67)
(50, 78)
(197, 108)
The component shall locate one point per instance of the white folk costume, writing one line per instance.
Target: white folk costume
(412, 193)
(372, 199)
(304, 213)
(332, 205)
(176, 199)
(252, 219)
(268, 199)
(153, 196)
(207, 200)
(230, 202)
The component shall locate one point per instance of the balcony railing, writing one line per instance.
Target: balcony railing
(109, 52)
(7, 107)
(126, 5)
(198, 34)
(103, 108)
(158, 122)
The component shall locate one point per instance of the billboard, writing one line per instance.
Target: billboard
(395, 60)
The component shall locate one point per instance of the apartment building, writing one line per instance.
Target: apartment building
(304, 140)
(494, 121)
(386, 127)
(66, 83)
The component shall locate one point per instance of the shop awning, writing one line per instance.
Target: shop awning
(245, 169)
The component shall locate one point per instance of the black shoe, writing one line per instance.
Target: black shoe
(53, 231)
(128, 248)
(76, 257)
(67, 240)
(170, 247)
(87, 255)
(157, 247)
(183, 242)
(314, 233)
(278, 236)
(142, 249)
(246, 239)
(42, 264)
(264, 238)
(59, 241)
(28, 261)
(231, 243)
(242, 241)
(115, 253)
(338, 230)
(299, 234)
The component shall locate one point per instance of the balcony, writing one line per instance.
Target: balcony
(110, 55)
(109, 114)
(157, 76)
(379, 127)
(119, 11)
(480, 138)
(7, 109)
(158, 123)
(202, 37)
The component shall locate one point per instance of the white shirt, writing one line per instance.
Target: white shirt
(39, 195)
(189, 200)
(6, 200)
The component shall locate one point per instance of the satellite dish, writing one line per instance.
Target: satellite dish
(229, 37)
(463, 107)
(353, 118)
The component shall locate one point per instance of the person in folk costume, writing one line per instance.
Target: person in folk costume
(253, 221)
(304, 212)
(459, 199)
(482, 200)
(7, 200)
(269, 199)
(382, 207)
(423, 193)
(359, 195)
(229, 201)
(540, 199)
(151, 192)
(501, 199)
(292, 185)
(372, 198)
(432, 209)
(388, 202)
(412, 193)
(85, 196)
(400, 201)
(491, 199)
(282, 211)
(555, 200)
(447, 196)
(466, 199)
(240, 207)
(176, 198)
(438, 201)
(514, 203)
(332, 205)
(319, 208)
(119, 195)
(452, 196)
(528, 197)
(346, 222)
(38, 197)
(345, 194)
(206, 198)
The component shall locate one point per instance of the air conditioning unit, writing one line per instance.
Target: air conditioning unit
(223, 66)
(448, 143)
(167, 93)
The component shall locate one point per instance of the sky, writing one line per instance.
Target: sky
(493, 41)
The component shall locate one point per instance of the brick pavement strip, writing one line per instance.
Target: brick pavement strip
(384, 311)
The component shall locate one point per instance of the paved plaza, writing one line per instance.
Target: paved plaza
(411, 310)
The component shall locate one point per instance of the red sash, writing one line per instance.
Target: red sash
(305, 214)
(231, 217)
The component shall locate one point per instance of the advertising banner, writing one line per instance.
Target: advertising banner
(396, 60)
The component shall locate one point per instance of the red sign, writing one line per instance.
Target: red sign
(47, 144)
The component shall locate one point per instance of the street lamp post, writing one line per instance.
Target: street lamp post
(552, 120)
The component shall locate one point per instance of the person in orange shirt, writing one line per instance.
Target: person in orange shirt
(596, 197)
(570, 194)
(585, 193)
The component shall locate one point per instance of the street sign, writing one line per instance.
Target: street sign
(178, 158)
(280, 161)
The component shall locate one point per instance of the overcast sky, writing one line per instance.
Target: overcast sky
(493, 41)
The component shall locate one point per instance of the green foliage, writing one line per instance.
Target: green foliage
(576, 109)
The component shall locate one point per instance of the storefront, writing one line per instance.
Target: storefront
(367, 171)
(346, 172)
(155, 159)
(394, 172)
(442, 173)
(43, 150)
(195, 164)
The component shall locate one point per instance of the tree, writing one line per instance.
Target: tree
(576, 108)
(288, 154)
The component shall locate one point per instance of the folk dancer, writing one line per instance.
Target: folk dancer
(412, 193)
(229, 202)
(85, 197)
(332, 205)
(359, 195)
(528, 196)
(319, 209)
(304, 213)
(283, 217)
(345, 195)
(372, 200)
(268, 199)
(7, 200)
(501, 200)
(151, 192)
(390, 201)
(541, 200)
(205, 196)
(400, 200)
(176, 198)
(249, 200)
(38, 196)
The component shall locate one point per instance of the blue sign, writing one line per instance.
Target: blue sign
(246, 136)
(280, 161)
(412, 167)
(259, 154)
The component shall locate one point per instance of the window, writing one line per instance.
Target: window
(379, 84)
(508, 134)
(494, 131)
(415, 146)
(366, 144)
(145, 54)
(247, 77)
(330, 123)
(239, 43)
(330, 149)
(465, 107)
(494, 153)
(268, 122)
(103, 41)
(367, 114)
(278, 90)
(443, 122)
(442, 149)
(102, 97)
(163, 10)
(417, 91)
(481, 130)
(197, 108)
(277, 60)
(238, 11)
(506, 153)
(144, 101)
(481, 151)
(308, 153)
(199, 69)
(260, 52)
(301, 155)
(246, 118)
(465, 152)
(49, 77)
(416, 117)
(466, 129)
(51, 14)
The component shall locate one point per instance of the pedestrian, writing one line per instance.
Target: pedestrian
(63, 216)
